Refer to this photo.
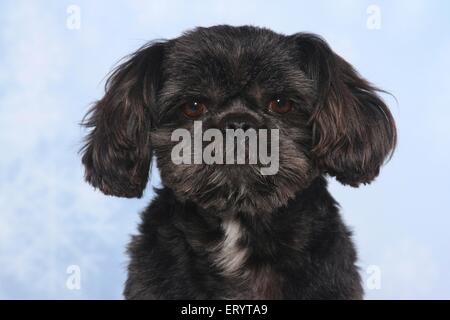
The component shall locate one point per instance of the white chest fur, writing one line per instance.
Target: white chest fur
(230, 255)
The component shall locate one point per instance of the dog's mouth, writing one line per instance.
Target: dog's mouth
(232, 188)
(239, 184)
(243, 149)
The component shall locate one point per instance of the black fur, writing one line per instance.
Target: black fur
(226, 231)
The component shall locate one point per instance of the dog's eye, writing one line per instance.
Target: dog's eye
(193, 109)
(280, 105)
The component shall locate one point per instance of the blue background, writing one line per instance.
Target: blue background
(49, 74)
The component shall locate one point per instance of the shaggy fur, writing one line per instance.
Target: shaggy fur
(226, 231)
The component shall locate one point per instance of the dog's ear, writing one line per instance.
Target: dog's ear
(353, 130)
(117, 151)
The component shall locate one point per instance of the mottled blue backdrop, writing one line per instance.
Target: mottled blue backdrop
(51, 70)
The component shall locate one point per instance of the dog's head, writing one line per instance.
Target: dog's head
(330, 120)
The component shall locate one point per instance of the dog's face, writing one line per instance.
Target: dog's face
(329, 119)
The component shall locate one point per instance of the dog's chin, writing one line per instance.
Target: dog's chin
(230, 189)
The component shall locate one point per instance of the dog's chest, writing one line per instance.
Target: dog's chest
(232, 255)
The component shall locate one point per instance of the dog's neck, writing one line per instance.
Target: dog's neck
(231, 241)
(310, 198)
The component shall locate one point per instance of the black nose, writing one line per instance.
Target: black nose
(237, 125)
(239, 121)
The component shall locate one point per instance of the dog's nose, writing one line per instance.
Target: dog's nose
(240, 121)
(237, 125)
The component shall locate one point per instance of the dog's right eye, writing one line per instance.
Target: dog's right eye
(280, 105)
(193, 109)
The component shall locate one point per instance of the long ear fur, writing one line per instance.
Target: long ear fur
(117, 151)
(353, 130)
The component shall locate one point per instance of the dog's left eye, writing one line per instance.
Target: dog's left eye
(280, 105)
(193, 109)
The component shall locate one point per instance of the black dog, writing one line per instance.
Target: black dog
(214, 231)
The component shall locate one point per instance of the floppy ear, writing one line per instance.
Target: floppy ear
(117, 151)
(353, 130)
